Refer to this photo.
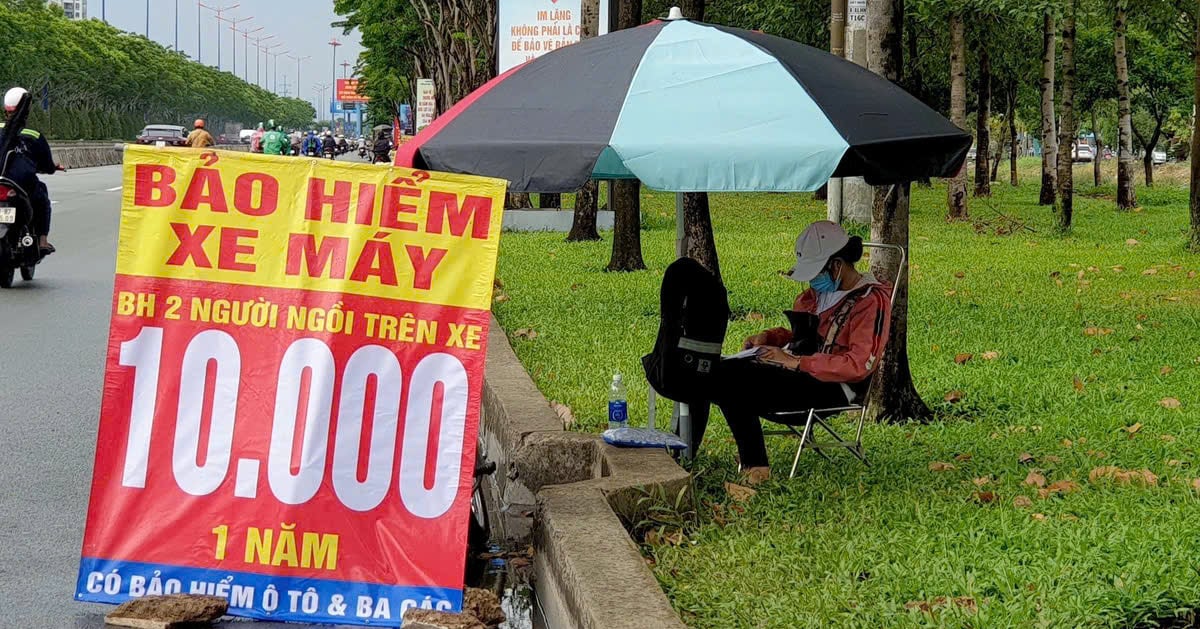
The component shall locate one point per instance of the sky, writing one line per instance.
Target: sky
(301, 26)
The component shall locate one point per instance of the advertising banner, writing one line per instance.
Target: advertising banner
(347, 91)
(292, 386)
(426, 103)
(529, 29)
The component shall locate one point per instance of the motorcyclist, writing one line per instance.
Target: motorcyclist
(311, 144)
(296, 138)
(256, 139)
(329, 144)
(382, 147)
(33, 157)
(341, 144)
(199, 138)
(275, 141)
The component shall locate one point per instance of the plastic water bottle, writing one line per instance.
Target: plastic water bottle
(618, 411)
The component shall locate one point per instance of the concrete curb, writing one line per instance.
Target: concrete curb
(564, 490)
(93, 154)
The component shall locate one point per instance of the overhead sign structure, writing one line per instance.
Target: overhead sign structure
(529, 29)
(292, 388)
(426, 103)
(347, 92)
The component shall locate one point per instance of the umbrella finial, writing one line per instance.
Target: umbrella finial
(675, 14)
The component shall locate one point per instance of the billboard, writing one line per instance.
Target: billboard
(292, 386)
(426, 103)
(529, 29)
(347, 92)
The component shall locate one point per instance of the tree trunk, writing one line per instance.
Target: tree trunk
(1126, 194)
(1013, 142)
(698, 232)
(956, 192)
(627, 226)
(583, 220)
(983, 114)
(550, 201)
(1194, 178)
(626, 202)
(894, 396)
(1046, 86)
(1067, 136)
(517, 201)
(583, 225)
(995, 158)
(1097, 176)
(822, 193)
(1148, 165)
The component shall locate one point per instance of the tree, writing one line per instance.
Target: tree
(697, 219)
(1159, 73)
(626, 202)
(983, 110)
(1194, 179)
(1126, 194)
(1046, 85)
(1067, 133)
(894, 396)
(583, 219)
(956, 190)
(1095, 83)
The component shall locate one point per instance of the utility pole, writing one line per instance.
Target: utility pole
(257, 57)
(103, 12)
(334, 43)
(199, 34)
(147, 19)
(267, 65)
(320, 88)
(346, 69)
(176, 25)
(837, 46)
(218, 11)
(275, 75)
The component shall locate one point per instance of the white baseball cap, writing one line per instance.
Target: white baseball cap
(12, 98)
(816, 244)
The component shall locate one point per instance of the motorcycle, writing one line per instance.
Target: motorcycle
(19, 248)
(362, 152)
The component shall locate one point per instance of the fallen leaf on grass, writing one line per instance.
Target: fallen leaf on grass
(500, 298)
(1066, 443)
(1133, 430)
(1131, 242)
(954, 396)
(962, 457)
(985, 497)
(1078, 384)
(967, 603)
(1169, 402)
(1191, 275)
(1165, 371)
(962, 359)
(1022, 502)
(1024, 458)
(1167, 438)
(1038, 516)
(990, 355)
(1059, 488)
(1150, 271)
(1036, 479)
(959, 274)
(526, 333)
(754, 316)
(1050, 458)
(951, 293)
(1196, 484)
(1118, 476)
(564, 414)
(981, 481)
(1095, 331)
(1174, 463)
(739, 493)
(941, 466)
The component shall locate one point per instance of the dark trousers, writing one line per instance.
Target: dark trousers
(39, 198)
(748, 390)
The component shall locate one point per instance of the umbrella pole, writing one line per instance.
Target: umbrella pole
(683, 418)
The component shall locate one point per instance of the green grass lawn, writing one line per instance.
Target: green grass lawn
(1096, 343)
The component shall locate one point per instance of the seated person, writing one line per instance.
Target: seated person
(852, 316)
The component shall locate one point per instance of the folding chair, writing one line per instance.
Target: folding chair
(817, 417)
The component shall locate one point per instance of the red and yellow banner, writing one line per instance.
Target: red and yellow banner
(347, 92)
(292, 391)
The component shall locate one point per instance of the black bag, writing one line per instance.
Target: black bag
(804, 333)
(695, 312)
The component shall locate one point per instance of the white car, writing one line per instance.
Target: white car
(1082, 153)
(1158, 157)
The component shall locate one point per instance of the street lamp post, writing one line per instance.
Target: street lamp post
(298, 60)
(246, 52)
(321, 87)
(275, 75)
(267, 64)
(233, 22)
(218, 11)
(257, 57)
(334, 43)
(147, 19)
(176, 25)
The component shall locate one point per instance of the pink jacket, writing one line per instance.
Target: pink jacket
(857, 348)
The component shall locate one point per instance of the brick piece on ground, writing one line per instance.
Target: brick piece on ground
(432, 619)
(168, 612)
(483, 605)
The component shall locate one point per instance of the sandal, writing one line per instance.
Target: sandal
(47, 250)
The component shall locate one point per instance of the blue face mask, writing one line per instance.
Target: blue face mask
(823, 283)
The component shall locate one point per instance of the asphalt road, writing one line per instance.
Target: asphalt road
(51, 372)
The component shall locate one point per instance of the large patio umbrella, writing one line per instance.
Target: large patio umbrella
(689, 107)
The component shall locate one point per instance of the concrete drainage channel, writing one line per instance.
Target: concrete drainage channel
(93, 154)
(561, 492)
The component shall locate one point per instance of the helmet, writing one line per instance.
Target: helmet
(13, 97)
(199, 123)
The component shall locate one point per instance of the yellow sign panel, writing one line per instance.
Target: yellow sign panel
(280, 222)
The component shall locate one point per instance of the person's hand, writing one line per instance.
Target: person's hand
(60, 168)
(776, 356)
(754, 341)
